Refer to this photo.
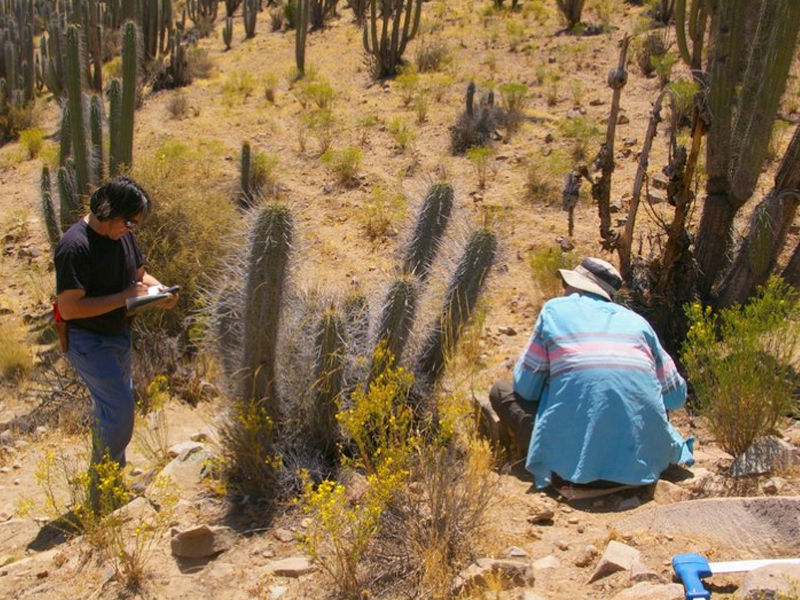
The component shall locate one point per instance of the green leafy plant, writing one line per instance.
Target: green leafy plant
(381, 210)
(237, 88)
(344, 163)
(739, 362)
(31, 141)
(403, 133)
(515, 98)
(544, 265)
(583, 132)
(366, 124)
(321, 123)
(683, 93)
(662, 66)
(480, 156)
(545, 173)
(407, 82)
(270, 86)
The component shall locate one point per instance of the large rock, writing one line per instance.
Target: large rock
(202, 542)
(294, 566)
(766, 455)
(616, 557)
(649, 591)
(512, 572)
(185, 474)
(184, 450)
(770, 583)
(669, 493)
(754, 527)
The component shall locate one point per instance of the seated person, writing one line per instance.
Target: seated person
(591, 392)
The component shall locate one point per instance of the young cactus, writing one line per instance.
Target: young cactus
(459, 303)
(249, 15)
(227, 33)
(300, 36)
(267, 274)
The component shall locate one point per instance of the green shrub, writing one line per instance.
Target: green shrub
(15, 360)
(683, 93)
(662, 66)
(178, 105)
(583, 132)
(31, 140)
(516, 34)
(321, 123)
(344, 163)
(315, 92)
(403, 133)
(198, 63)
(545, 174)
(515, 98)
(381, 210)
(432, 54)
(407, 82)
(262, 172)
(480, 156)
(545, 263)
(365, 125)
(739, 362)
(237, 88)
(644, 50)
(270, 86)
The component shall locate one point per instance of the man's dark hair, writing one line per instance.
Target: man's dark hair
(121, 197)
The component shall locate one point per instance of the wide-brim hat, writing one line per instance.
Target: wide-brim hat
(595, 276)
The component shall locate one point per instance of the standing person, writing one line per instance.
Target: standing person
(98, 266)
(592, 389)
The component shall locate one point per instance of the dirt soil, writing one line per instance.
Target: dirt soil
(337, 252)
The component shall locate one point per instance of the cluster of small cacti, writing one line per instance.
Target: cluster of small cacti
(477, 123)
(250, 323)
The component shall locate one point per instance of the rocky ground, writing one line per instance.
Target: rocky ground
(539, 546)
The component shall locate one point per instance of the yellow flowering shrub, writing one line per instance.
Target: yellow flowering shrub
(740, 364)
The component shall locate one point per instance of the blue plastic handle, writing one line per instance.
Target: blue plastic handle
(691, 569)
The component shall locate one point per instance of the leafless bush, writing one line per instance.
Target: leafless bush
(62, 400)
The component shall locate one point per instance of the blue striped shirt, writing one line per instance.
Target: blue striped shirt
(604, 385)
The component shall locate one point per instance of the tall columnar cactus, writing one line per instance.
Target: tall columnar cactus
(124, 146)
(114, 109)
(78, 123)
(387, 31)
(329, 349)
(571, 10)
(28, 64)
(696, 27)
(96, 121)
(747, 80)
(459, 303)
(301, 31)
(49, 211)
(70, 205)
(245, 182)
(64, 136)
(267, 274)
(320, 11)
(227, 33)
(429, 230)
(249, 17)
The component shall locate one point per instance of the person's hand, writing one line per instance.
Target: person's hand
(172, 300)
(135, 289)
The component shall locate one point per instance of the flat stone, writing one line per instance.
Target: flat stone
(623, 120)
(659, 182)
(294, 566)
(515, 552)
(630, 142)
(630, 503)
(185, 473)
(202, 542)
(766, 455)
(184, 450)
(477, 575)
(507, 330)
(666, 492)
(671, 591)
(641, 572)
(597, 102)
(565, 244)
(616, 557)
(543, 564)
(542, 516)
(277, 591)
(752, 527)
(770, 583)
(284, 535)
(655, 197)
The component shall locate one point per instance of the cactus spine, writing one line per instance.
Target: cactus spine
(430, 228)
(459, 303)
(77, 124)
(268, 268)
(49, 211)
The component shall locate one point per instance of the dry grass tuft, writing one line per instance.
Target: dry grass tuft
(15, 359)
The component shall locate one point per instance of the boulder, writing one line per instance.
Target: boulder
(283, 535)
(184, 450)
(753, 527)
(665, 492)
(586, 556)
(640, 571)
(543, 564)
(770, 583)
(294, 566)
(512, 572)
(185, 473)
(766, 455)
(203, 541)
(616, 557)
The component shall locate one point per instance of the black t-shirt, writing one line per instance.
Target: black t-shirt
(99, 266)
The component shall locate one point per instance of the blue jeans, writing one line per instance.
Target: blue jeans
(104, 364)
